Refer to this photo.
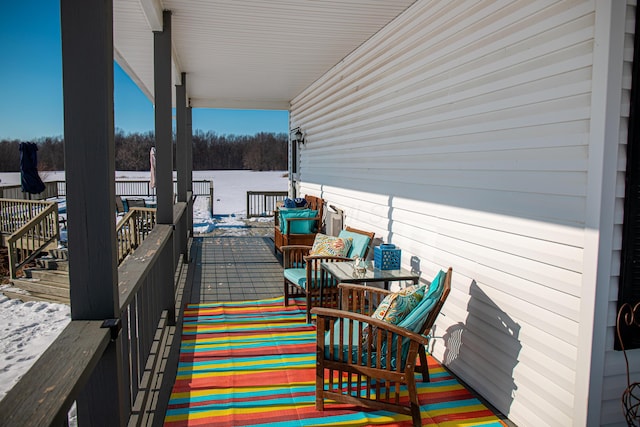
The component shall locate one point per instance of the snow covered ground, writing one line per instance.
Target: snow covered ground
(27, 329)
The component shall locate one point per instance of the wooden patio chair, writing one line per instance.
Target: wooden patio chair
(304, 277)
(120, 211)
(362, 360)
(136, 203)
(293, 227)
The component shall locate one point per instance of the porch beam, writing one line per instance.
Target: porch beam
(87, 78)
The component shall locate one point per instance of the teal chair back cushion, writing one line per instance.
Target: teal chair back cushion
(359, 244)
(298, 227)
(416, 317)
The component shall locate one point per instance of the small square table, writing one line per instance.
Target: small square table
(345, 273)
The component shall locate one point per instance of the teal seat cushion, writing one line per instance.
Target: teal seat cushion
(296, 275)
(299, 276)
(359, 243)
(298, 227)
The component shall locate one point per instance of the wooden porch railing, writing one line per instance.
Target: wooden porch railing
(33, 226)
(44, 395)
(31, 234)
(123, 188)
(15, 192)
(15, 213)
(132, 229)
(263, 203)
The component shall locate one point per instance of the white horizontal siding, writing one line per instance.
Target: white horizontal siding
(460, 132)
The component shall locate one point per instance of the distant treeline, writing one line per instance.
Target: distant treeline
(260, 152)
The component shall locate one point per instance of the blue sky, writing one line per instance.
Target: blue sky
(31, 84)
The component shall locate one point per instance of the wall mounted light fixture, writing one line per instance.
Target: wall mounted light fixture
(297, 135)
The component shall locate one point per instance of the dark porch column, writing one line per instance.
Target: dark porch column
(164, 143)
(181, 137)
(87, 77)
(189, 147)
(181, 158)
(164, 152)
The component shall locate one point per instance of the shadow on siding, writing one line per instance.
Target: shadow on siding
(487, 330)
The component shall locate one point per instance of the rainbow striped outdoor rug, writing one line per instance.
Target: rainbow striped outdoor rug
(252, 363)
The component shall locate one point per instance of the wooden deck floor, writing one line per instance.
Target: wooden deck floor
(230, 268)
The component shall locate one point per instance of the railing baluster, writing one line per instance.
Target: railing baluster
(263, 203)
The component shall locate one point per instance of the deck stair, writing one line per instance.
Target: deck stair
(48, 280)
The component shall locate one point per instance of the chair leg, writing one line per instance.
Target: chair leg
(415, 415)
(413, 400)
(308, 306)
(424, 367)
(286, 294)
(319, 388)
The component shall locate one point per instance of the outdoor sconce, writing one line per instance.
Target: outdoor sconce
(297, 135)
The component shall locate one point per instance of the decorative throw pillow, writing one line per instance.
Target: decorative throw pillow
(396, 306)
(330, 245)
(300, 202)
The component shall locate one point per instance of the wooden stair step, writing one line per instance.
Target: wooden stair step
(35, 297)
(59, 253)
(55, 276)
(50, 263)
(42, 287)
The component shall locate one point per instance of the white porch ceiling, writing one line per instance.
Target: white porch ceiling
(246, 54)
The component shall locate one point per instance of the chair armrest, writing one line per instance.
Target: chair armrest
(325, 313)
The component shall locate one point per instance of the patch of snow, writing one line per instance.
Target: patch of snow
(26, 330)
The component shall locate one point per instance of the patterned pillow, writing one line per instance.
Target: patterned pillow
(396, 306)
(330, 245)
